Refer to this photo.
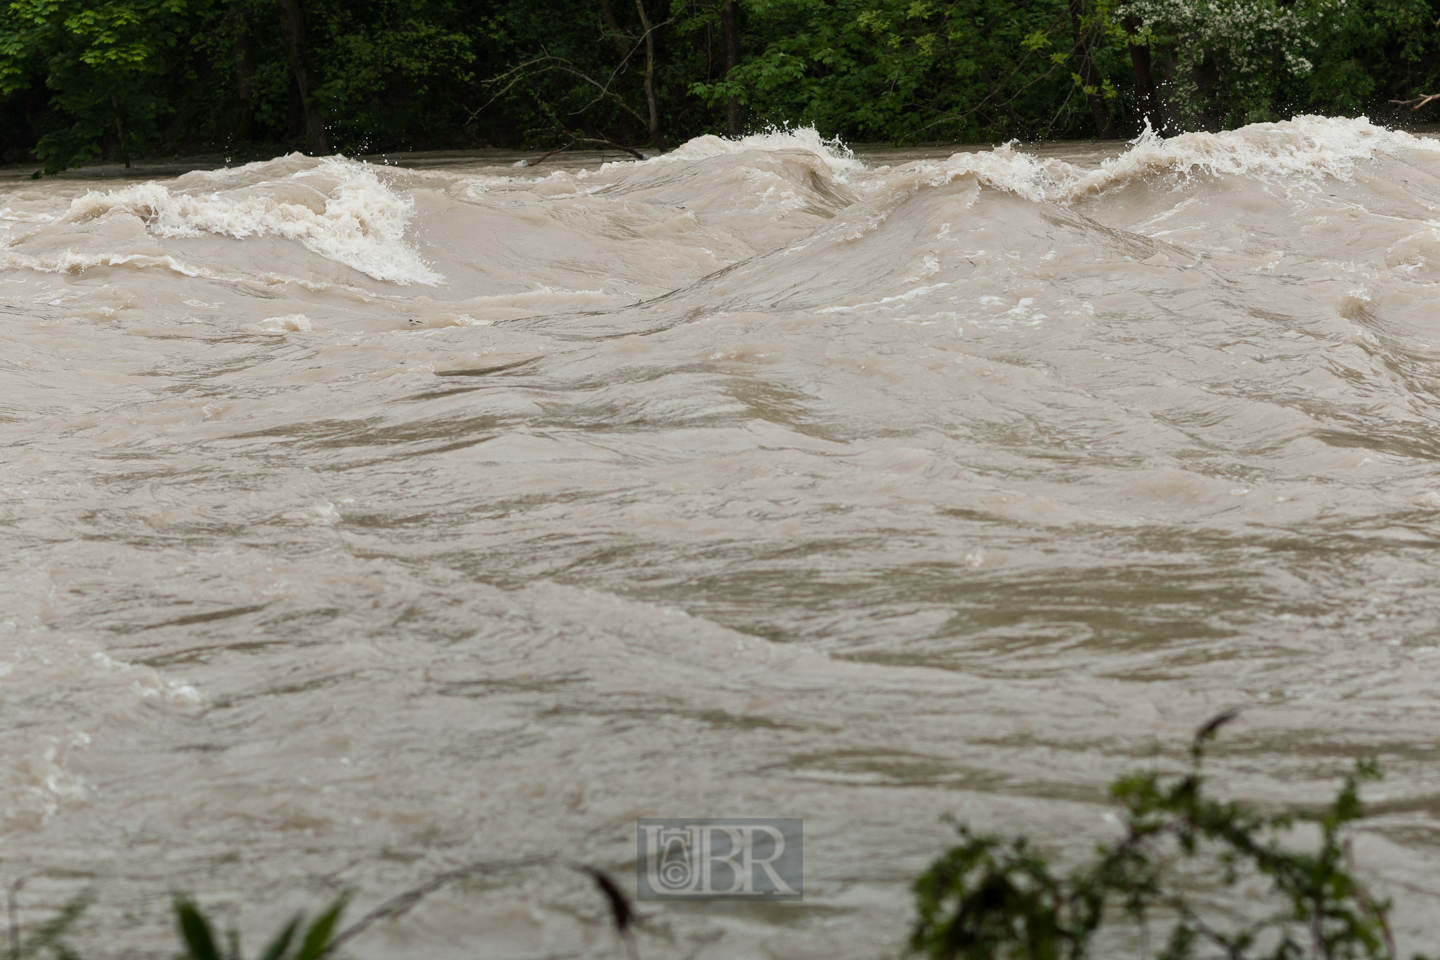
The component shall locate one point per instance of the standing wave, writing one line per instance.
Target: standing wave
(334, 207)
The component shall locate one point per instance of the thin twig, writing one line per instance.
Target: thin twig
(536, 163)
(560, 63)
(995, 90)
(496, 79)
(577, 138)
(1051, 125)
(621, 912)
(402, 902)
(565, 66)
(1370, 903)
(14, 918)
(604, 142)
(621, 65)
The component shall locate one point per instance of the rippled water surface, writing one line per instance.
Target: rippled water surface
(357, 522)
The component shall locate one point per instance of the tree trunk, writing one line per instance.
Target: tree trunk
(1206, 74)
(292, 28)
(1089, 76)
(655, 137)
(244, 80)
(612, 26)
(730, 20)
(295, 114)
(120, 130)
(1147, 95)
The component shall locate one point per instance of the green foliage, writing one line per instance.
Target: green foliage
(99, 60)
(322, 938)
(85, 79)
(1234, 61)
(198, 935)
(387, 61)
(989, 898)
(905, 70)
(48, 937)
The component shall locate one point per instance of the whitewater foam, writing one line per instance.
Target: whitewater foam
(836, 155)
(352, 218)
(1306, 148)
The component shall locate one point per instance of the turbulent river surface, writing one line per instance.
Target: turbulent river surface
(358, 522)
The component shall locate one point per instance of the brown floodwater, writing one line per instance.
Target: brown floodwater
(362, 520)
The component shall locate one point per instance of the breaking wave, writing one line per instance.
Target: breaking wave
(337, 208)
(1307, 147)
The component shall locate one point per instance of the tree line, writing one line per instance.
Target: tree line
(117, 79)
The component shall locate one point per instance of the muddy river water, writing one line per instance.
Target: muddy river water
(359, 521)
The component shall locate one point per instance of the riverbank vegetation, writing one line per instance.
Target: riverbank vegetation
(118, 79)
(200, 938)
(1189, 877)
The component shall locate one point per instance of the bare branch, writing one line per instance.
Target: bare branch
(518, 74)
(622, 913)
(603, 141)
(399, 904)
(14, 918)
(496, 79)
(536, 163)
(1418, 101)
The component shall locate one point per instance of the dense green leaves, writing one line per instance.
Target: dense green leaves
(322, 938)
(81, 79)
(911, 69)
(99, 61)
(198, 936)
(994, 899)
(388, 60)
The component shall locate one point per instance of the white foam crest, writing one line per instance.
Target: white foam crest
(361, 224)
(836, 155)
(1305, 147)
(20, 217)
(1006, 169)
(69, 261)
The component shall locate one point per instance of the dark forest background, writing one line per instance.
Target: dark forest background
(81, 79)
